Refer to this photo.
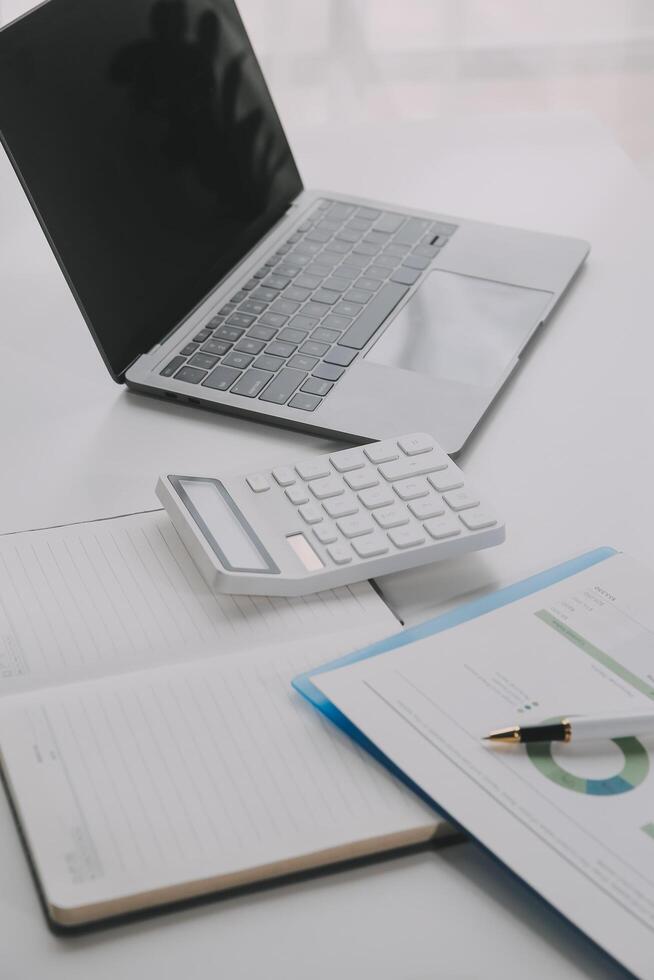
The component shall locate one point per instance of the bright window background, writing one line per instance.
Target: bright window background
(383, 60)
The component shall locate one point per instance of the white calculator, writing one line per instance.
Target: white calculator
(329, 520)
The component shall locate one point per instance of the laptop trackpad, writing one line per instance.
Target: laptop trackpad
(461, 328)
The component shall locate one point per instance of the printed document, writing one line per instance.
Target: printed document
(575, 821)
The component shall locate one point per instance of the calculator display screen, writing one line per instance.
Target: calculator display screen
(223, 525)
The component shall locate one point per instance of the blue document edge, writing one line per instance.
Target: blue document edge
(303, 683)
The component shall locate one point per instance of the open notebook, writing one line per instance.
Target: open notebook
(149, 736)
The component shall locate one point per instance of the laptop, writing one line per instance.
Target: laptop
(147, 142)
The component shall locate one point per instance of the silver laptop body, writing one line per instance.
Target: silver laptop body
(439, 357)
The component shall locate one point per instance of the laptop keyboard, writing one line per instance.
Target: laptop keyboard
(289, 334)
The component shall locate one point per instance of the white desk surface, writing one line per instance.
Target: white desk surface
(566, 454)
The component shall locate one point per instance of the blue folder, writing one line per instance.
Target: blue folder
(304, 682)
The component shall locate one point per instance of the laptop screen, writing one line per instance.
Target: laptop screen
(146, 138)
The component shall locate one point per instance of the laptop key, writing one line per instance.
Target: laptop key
(303, 362)
(287, 307)
(251, 383)
(339, 247)
(264, 294)
(389, 222)
(348, 272)
(314, 349)
(358, 296)
(370, 285)
(190, 374)
(218, 347)
(281, 348)
(237, 359)
(405, 276)
(275, 320)
(325, 296)
(250, 346)
(292, 336)
(306, 402)
(315, 386)
(188, 350)
(251, 284)
(297, 293)
(282, 386)
(327, 372)
(229, 333)
(252, 306)
(340, 355)
(202, 336)
(325, 336)
(260, 332)
(348, 309)
(415, 262)
(335, 322)
(374, 314)
(172, 366)
(205, 361)
(308, 281)
(339, 285)
(314, 309)
(302, 322)
(411, 231)
(398, 250)
(276, 282)
(221, 378)
(427, 251)
(241, 320)
(369, 213)
(268, 363)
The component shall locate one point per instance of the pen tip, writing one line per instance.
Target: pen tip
(503, 735)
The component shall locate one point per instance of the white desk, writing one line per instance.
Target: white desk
(571, 437)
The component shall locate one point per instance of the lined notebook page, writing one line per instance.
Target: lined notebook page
(103, 597)
(192, 772)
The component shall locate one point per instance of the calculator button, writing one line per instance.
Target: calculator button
(297, 495)
(427, 507)
(284, 475)
(417, 466)
(381, 452)
(391, 516)
(325, 533)
(370, 545)
(443, 527)
(413, 445)
(406, 537)
(450, 479)
(476, 519)
(348, 459)
(312, 469)
(311, 513)
(341, 507)
(258, 482)
(362, 479)
(461, 499)
(353, 526)
(411, 489)
(329, 487)
(376, 497)
(340, 553)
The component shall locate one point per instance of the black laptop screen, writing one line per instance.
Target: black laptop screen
(145, 136)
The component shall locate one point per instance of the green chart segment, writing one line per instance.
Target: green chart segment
(633, 772)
